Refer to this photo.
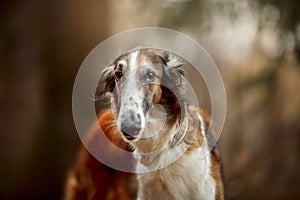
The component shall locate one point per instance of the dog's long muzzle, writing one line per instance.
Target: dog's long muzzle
(130, 119)
(131, 124)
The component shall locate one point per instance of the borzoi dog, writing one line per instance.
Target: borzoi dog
(151, 115)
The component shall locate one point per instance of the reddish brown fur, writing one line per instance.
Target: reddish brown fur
(216, 173)
(92, 180)
(194, 136)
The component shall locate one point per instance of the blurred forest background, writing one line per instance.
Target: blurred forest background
(255, 44)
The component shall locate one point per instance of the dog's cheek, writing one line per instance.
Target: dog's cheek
(157, 94)
(115, 101)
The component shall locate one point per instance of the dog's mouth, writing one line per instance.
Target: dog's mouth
(127, 136)
(130, 133)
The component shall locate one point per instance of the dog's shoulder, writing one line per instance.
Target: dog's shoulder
(203, 129)
(91, 179)
(216, 157)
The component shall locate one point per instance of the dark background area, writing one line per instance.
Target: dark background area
(255, 44)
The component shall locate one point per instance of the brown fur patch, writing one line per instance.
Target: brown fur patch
(108, 124)
(152, 56)
(194, 136)
(92, 180)
(157, 94)
(216, 174)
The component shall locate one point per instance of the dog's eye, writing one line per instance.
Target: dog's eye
(150, 76)
(118, 74)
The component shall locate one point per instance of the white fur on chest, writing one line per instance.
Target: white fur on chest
(187, 178)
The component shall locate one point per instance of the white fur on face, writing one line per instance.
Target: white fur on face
(131, 94)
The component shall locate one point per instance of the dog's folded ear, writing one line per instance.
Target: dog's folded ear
(108, 78)
(173, 81)
(173, 62)
(105, 86)
(173, 72)
(106, 82)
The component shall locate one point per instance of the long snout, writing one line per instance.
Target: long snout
(130, 124)
(130, 119)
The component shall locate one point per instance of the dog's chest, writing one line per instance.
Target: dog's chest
(187, 178)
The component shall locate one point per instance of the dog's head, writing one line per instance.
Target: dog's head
(138, 80)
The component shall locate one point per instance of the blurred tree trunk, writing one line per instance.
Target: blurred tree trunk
(44, 44)
(21, 91)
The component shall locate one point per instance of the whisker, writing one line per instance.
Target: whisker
(110, 126)
(109, 121)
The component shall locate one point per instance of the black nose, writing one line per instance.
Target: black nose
(130, 124)
(130, 131)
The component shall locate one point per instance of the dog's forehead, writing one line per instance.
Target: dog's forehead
(151, 56)
(140, 57)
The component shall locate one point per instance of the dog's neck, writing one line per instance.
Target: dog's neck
(170, 143)
(177, 137)
(181, 170)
